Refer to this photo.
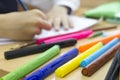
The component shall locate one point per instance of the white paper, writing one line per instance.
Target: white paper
(79, 23)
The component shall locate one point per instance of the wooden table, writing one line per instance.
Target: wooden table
(10, 65)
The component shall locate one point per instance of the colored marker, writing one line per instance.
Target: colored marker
(37, 49)
(74, 63)
(100, 61)
(52, 66)
(105, 28)
(96, 34)
(77, 36)
(98, 53)
(33, 64)
(113, 72)
(105, 40)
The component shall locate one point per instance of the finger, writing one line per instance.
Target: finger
(34, 30)
(50, 21)
(65, 23)
(71, 25)
(40, 13)
(56, 23)
(43, 24)
(38, 31)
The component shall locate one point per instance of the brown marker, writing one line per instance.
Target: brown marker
(99, 62)
(105, 28)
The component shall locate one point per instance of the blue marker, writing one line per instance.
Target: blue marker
(22, 5)
(52, 66)
(98, 53)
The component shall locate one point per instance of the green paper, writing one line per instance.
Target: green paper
(33, 64)
(107, 10)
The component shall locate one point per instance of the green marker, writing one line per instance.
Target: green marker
(95, 34)
(33, 64)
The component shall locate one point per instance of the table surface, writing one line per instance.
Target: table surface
(10, 65)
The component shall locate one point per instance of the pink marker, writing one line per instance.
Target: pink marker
(77, 36)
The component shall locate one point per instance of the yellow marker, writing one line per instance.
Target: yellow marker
(119, 75)
(74, 63)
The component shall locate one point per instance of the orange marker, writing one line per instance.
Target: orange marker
(105, 40)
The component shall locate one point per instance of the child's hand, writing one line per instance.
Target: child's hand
(57, 16)
(23, 25)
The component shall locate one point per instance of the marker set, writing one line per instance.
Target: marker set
(65, 63)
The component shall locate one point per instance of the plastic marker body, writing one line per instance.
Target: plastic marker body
(74, 63)
(95, 34)
(105, 40)
(98, 53)
(37, 49)
(100, 61)
(52, 66)
(77, 35)
(33, 64)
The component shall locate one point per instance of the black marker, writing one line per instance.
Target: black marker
(37, 49)
(113, 73)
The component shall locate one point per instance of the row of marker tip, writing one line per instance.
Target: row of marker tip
(52, 66)
(98, 45)
(66, 68)
(71, 65)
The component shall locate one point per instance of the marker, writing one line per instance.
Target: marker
(33, 64)
(96, 34)
(98, 53)
(100, 61)
(113, 72)
(77, 36)
(37, 49)
(22, 5)
(52, 66)
(74, 63)
(105, 28)
(105, 40)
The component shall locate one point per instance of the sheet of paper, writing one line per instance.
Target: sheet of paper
(79, 23)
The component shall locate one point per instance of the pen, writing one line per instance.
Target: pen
(32, 64)
(98, 53)
(100, 61)
(52, 66)
(22, 5)
(75, 62)
(37, 49)
(104, 40)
